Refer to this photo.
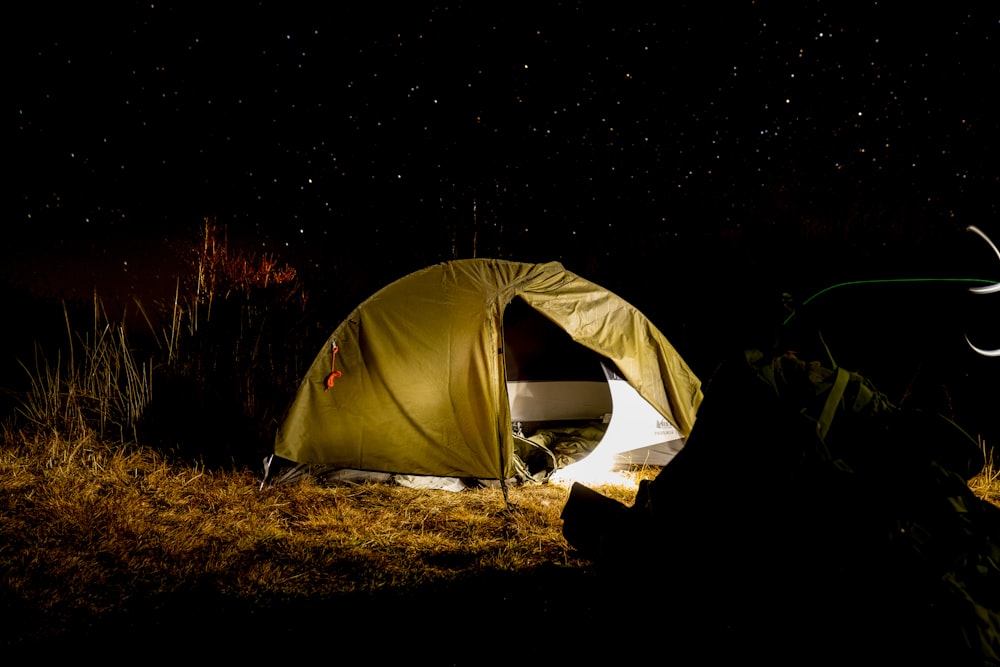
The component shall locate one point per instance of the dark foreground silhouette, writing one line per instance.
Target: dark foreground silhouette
(808, 521)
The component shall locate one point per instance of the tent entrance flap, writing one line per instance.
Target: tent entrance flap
(554, 382)
(550, 377)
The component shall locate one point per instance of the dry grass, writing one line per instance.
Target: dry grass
(97, 384)
(986, 484)
(93, 529)
(95, 533)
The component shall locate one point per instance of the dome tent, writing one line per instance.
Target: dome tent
(423, 377)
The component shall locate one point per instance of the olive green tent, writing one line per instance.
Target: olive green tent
(416, 380)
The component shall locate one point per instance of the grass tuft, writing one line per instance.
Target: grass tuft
(986, 484)
(96, 385)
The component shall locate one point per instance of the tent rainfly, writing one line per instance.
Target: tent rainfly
(456, 370)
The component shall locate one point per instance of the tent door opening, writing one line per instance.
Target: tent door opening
(568, 402)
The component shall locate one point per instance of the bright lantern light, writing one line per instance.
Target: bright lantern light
(593, 471)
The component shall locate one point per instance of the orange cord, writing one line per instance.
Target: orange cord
(334, 373)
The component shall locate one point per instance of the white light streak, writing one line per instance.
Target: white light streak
(988, 289)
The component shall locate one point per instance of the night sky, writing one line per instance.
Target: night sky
(689, 156)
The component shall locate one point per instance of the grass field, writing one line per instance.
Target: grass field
(96, 536)
(116, 543)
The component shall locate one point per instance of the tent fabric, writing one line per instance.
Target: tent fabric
(412, 381)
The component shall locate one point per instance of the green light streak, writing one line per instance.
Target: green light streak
(979, 281)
